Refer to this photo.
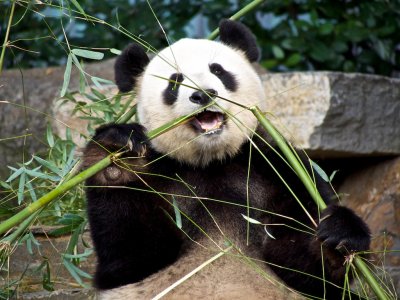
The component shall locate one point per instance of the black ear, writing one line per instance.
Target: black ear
(128, 66)
(237, 35)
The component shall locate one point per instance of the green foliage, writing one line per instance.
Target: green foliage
(36, 177)
(345, 36)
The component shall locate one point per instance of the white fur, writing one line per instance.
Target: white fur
(192, 58)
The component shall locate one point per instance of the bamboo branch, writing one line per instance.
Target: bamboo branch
(5, 43)
(46, 199)
(311, 188)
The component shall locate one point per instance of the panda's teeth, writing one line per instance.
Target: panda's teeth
(208, 122)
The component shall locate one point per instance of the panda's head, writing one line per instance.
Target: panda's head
(202, 77)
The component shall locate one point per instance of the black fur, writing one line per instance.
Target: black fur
(171, 92)
(134, 238)
(129, 64)
(238, 36)
(227, 78)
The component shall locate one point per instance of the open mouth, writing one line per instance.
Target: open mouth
(209, 122)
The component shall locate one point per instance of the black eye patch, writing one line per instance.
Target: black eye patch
(226, 77)
(170, 94)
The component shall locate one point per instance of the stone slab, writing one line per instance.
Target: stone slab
(335, 114)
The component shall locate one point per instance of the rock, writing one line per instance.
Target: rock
(337, 114)
(70, 294)
(374, 193)
(21, 262)
(36, 89)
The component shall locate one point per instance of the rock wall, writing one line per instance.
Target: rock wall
(373, 192)
(35, 89)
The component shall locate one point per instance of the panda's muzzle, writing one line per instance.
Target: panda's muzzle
(208, 122)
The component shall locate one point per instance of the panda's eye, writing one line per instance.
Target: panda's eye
(227, 78)
(216, 69)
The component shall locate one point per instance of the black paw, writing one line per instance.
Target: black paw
(122, 137)
(341, 229)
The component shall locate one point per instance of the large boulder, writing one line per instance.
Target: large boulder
(337, 114)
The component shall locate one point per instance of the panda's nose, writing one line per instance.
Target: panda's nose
(200, 97)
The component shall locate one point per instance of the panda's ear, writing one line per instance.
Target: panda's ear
(237, 35)
(129, 65)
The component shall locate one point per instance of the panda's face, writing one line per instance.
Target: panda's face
(206, 78)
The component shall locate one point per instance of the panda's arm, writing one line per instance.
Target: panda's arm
(131, 233)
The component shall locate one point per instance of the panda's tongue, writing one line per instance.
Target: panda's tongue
(209, 120)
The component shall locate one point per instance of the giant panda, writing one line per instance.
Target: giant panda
(171, 203)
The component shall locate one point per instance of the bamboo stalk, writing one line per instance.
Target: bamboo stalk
(44, 200)
(362, 267)
(309, 184)
(3, 51)
(292, 159)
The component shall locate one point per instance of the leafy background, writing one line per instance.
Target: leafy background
(350, 36)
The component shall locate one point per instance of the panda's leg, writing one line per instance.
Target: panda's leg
(132, 236)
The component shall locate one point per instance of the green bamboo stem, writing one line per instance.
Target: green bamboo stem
(309, 184)
(249, 7)
(289, 155)
(126, 117)
(22, 227)
(44, 200)
(3, 51)
(370, 279)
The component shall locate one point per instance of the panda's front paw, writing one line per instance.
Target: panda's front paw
(342, 230)
(122, 137)
(128, 138)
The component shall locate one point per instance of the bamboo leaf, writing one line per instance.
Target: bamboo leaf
(49, 165)
(97, 81)
(21, 187)
(37, 174)
(31, 191)
(319, 170)
(77, 63)
(62, 230)
(115, 51)
(5, 185)
(85, 254)
(78, 7)
(47, 284)
(82, 82)
(333, 175)
(67, 76)
(178, 217)
(15, 174)
(72, 270)
(268, 233)
(251, 220)
(50, 137)
(88, 54)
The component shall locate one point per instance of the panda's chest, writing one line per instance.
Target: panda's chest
(231, 183)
